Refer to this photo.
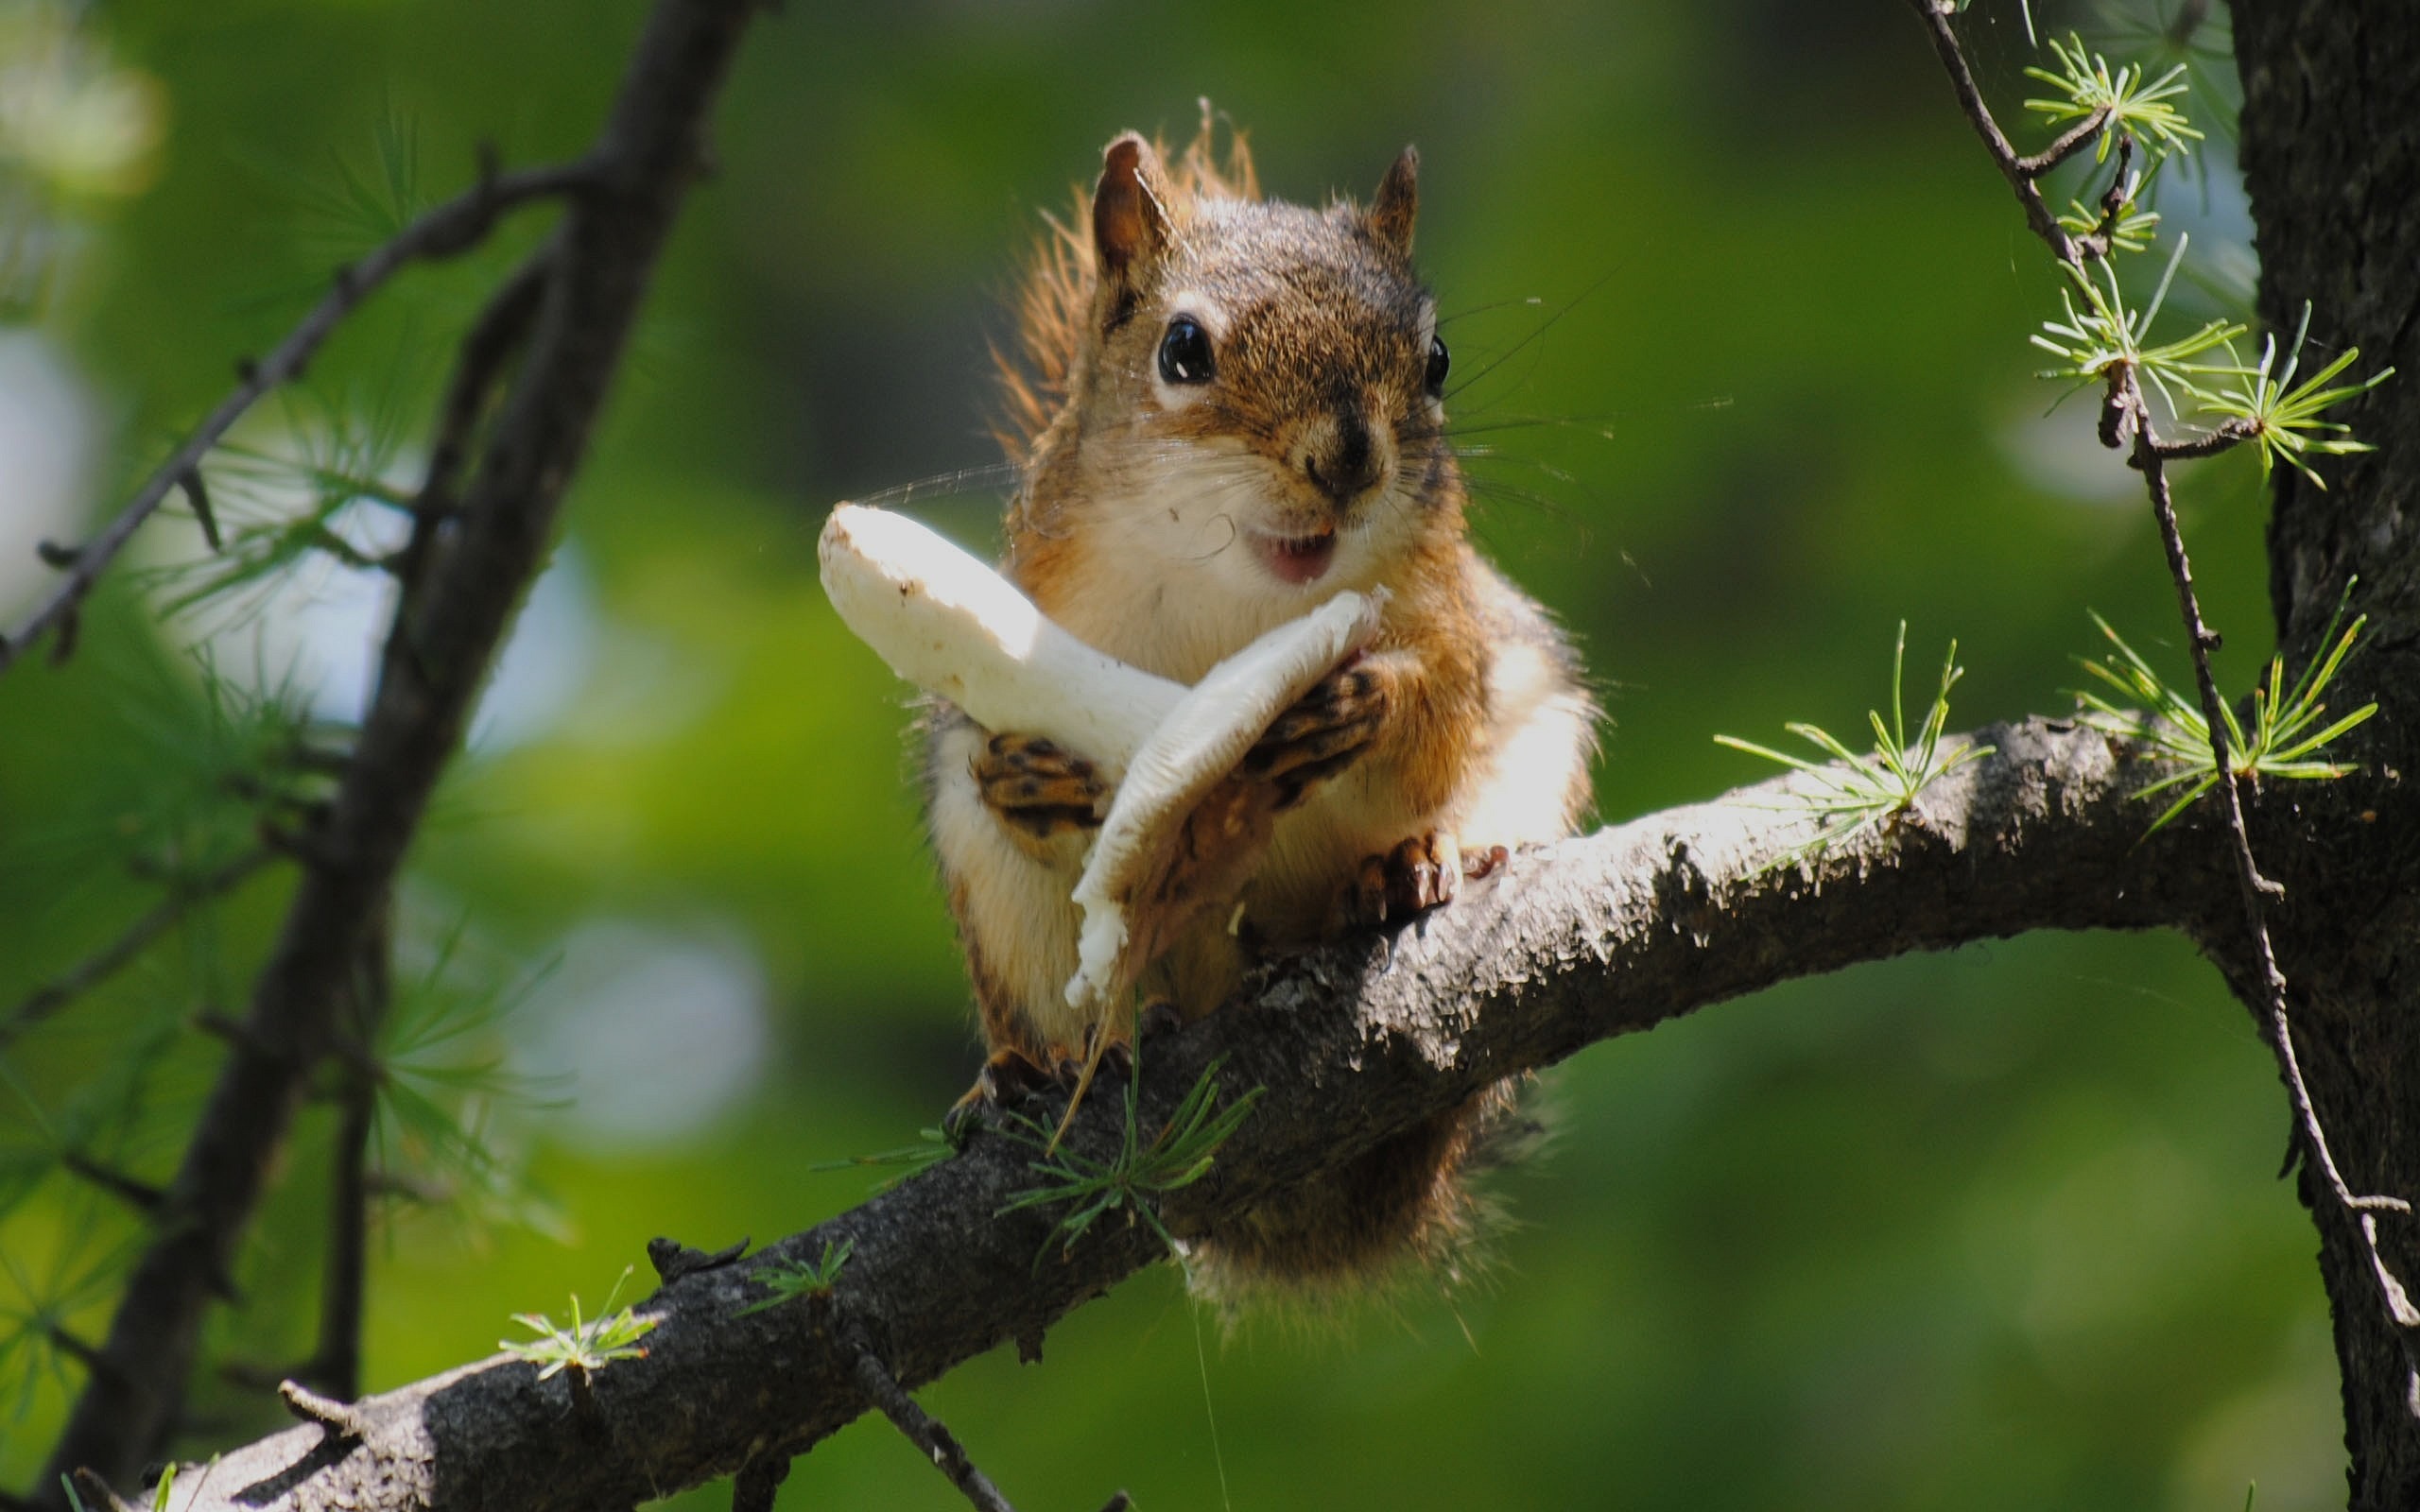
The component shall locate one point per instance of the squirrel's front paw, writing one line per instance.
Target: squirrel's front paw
(1421, 873)
(1038, 788)
(1325, 732)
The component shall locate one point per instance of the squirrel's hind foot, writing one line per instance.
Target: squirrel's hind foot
(1422, 872)
(1009, 1078)
(1012, 1077)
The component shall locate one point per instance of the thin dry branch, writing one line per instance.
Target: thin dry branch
(108, 961)
(1565, 946)
(2255, 890)
(452, 228)
(2021, 172)
(335, 1366)
(922, 1429)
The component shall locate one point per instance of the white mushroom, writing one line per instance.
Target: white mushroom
(946, 622)
(1192, 749)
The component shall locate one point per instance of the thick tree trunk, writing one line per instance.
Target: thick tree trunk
(2331, 155)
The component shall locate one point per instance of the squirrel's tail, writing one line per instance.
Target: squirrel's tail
(1403, 1209)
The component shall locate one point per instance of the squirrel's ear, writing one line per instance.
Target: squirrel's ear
(1130, 209)
(1391, 214)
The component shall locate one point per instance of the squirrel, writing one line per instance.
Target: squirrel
(1228, 409)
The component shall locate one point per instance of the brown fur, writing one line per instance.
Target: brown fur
(1055, 292)
(1154, 520)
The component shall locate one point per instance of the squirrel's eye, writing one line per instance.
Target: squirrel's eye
(1439, 363)
(1184, 352)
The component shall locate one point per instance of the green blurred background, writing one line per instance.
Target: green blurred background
(1997, 1229)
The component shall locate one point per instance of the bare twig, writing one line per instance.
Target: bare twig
(145, 1199)
(923, 1430)
(98, 968)
(197, 496)
(2149, 459)
(452, 228)
(2232, 434)
(97, 1492)
(74, 1346)
(2020, 172)
(2113, 198)
(2077, 137)
(754, 1488)
(311, 1407)
(502, 328)
(335, 1362)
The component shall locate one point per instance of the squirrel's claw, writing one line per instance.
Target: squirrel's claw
(1157, 1017)
(1011, 1077)
(1422, 872)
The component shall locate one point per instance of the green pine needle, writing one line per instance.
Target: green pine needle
(933, 1146)
(2098, 341)
(2086, 86)
(2197, 38)
(1180, 1155)
(352, 205)
(589, 1345)
(315, 496)
(799, 1278)
(2131, 232)
(2133, 228)
(2282, 742)
(443, 1077)
(83, 1274)
(2283, 417)
(1853, 793)
(164, 1489)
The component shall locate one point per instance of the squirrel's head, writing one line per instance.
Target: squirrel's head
(1257, 389)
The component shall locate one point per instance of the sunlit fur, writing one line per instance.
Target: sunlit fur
(1141, 527)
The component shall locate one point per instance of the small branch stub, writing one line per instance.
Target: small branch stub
(754, 1488)
(926, 1433)
(338, 1418)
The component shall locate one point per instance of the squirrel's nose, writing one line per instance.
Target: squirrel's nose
(1343, 463)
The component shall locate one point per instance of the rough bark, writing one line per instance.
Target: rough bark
(2331, 157)
(1598, 937)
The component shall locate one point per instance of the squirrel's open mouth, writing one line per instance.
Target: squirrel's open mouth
(1297, 559)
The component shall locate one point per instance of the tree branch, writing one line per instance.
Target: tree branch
(921, 1428)
(452, 228)
(335, 1366)
(469, 587)
(2020, 172)
(1596, 936)
(98, 968)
